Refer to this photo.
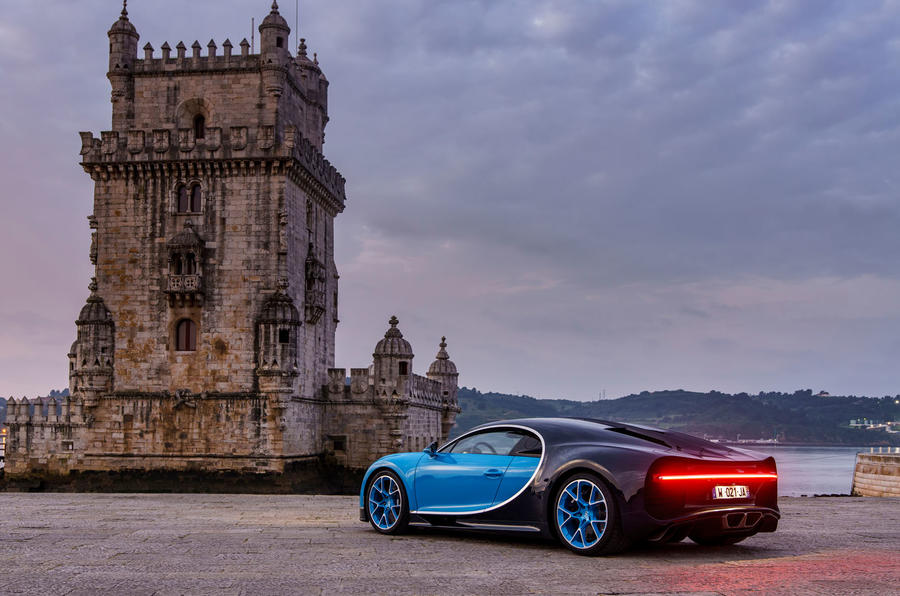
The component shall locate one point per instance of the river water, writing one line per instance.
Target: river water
(813, 470)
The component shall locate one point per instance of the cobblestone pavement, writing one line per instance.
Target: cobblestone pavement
(260, 544)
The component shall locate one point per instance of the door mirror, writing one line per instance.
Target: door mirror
(432, 449)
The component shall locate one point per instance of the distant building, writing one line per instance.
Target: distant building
(207, 340)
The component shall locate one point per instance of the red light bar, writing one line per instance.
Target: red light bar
(714, 476)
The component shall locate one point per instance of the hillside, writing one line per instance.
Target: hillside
(798, 417)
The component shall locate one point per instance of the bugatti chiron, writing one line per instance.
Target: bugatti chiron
(596, 486)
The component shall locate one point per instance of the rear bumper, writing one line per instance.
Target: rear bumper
(722, 520)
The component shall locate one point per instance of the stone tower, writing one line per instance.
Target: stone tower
(207, 340)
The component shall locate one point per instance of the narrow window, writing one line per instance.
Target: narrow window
(179, 265)
(279, 42)
(284, 336)
(404, 368)
(199, 126)
(190, 264)
(195, 198)
(183, 204)
(186, 336)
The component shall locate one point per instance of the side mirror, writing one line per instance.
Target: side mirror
(432, 449)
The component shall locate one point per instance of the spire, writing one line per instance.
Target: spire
(301, 49)
(274, 7)
(393, 331)
(125, 9)
(442, 353)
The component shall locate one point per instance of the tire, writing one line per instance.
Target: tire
(586, 516)
(718, 539)
(386, 503)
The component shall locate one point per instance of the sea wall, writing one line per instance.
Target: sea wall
(877, 475)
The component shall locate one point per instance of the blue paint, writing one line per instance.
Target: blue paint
(459, 483)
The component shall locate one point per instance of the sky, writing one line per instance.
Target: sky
(586, 197)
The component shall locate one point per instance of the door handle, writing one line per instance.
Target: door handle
(493, 473)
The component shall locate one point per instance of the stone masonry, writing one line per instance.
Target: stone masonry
(207, 341)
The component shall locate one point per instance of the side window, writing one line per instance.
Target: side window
(186, 336)
(183, 205)
(199, 126)
(528, 446)
(492, 442)
(195, 198)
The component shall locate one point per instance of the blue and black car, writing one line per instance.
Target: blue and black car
(595, 485)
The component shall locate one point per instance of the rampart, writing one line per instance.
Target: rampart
(877, 475)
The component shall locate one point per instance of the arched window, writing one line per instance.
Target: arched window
(186, 336)
(190, 264)
(199, 126)
(183, 205)
(195, 198)
(178, 265)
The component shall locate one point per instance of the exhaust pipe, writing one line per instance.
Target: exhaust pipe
(738, 521)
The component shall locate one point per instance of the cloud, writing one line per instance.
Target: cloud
(692, 194)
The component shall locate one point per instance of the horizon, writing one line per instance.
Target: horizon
(560, 398)
(580, 196)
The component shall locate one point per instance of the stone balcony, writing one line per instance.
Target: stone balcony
(185, 290)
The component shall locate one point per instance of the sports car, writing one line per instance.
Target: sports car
(596, 486)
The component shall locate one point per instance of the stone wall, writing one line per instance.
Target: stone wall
(877, 475)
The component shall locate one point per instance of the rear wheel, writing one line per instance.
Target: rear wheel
(586, 517)
(386, 503)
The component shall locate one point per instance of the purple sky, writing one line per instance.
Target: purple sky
(583, 196)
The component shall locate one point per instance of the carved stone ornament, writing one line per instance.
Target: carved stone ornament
(359, 384)
(184, 397)
(110, 140)
(160, 140)
(135, 141)
(238, 137)
(185, 139)
(266, 138)
(213, 139)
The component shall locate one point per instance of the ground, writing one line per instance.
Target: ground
(271, 544)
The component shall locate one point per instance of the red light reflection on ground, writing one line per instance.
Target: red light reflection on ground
(835, 572)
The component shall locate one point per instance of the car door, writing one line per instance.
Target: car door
(464, 476)
(524, 461)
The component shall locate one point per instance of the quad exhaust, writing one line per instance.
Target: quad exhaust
(739, 521)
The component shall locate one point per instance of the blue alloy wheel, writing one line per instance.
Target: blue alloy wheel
(386, 504)
(582, 514)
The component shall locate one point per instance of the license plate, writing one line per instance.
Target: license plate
(731, 492)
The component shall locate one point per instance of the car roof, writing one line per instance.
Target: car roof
(557, 430)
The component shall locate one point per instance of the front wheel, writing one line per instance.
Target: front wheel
(586, 517)
(386, 503)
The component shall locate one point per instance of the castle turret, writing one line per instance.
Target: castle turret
(444, 371)
(123, 45)
(91, 356)
(278, 345)
(273, 45)
(393, 363)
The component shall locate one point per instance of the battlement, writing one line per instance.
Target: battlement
(233, 143)
(196, 61)
(425, 391)
(36, 412)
